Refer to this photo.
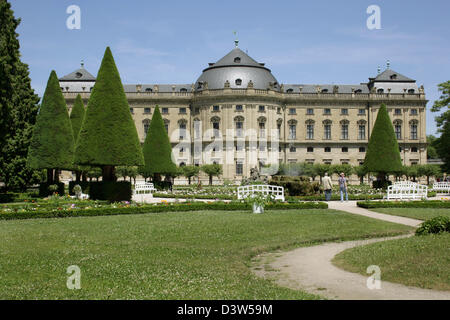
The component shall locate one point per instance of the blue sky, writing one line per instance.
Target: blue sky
(300, 41)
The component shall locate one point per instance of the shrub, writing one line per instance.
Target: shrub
(296, 186)
(111, 191)
(435, 225)
(6, 197)
(44, 190)
(380, 184)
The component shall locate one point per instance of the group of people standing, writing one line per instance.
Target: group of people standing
(328, 186)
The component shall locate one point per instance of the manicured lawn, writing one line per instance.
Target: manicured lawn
(416, 213)
(419, 261)
(183, 255)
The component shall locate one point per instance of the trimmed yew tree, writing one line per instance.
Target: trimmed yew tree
(76, 119)
(157, 150)
(383, 155)
(52, 143)
(18, 108)
(108, 135)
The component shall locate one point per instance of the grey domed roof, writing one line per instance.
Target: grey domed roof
(236, 67)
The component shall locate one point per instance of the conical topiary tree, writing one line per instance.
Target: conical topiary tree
(383, 155)
(108, 135)
(76, 119)
(52, 143)
(157, 150)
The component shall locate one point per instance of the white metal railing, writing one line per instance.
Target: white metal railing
(442, 186)
(406, 190)
(276, 192)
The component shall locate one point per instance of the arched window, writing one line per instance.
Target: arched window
(327, 130)
(216, 126)
(411, 91)
(290, 90)
(238, 82)
(398, 129)
(413, 127)
(361, 129)
(262, 127)
(146, 124)
(239, 125)
(309, 129)
(344, 129)
(237, 60)
(380, 91)
(166, 124)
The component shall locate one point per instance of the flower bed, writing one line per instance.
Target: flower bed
(404, 204)
(99, 209)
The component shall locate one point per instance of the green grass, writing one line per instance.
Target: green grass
(182, 255)
(419, 261)
(415, 213)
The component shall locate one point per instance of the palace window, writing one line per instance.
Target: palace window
(310, 149)
(310, 111)
(239, 168)
(216, 128)
(310, 131)
(183, 110)
(292, 149)
(414, 131)
(131, 110)
(165, 110)
(146, 124)
(292, 111)
(327, 131)
(361, 131)
(239, 107)
(362, 149)
(344, 131)
(216, 108)
(413, 149)
(413, 112)
(238, 82)
(262, 129)
(380, 91)
(292, 131)
(361, 111)
(398, 112)
(344, 149)
(237, 60)
(327, 149)
(398, 130)
(344, 111)
(411, 91)
(261, 108)
(327, 111)
(147, 110)
(182, 130)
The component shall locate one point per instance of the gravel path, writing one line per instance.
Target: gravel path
(310, 268)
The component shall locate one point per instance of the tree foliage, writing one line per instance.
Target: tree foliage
(212, 170)
(77, 116)
(383, 154)
(443, 124)
(157, 149)
(52, 144)
(18, 107)
(190, 171)
(108, 135)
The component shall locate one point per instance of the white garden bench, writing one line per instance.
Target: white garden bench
(143, 188)
(276, 192)
(407, 190)
(443, 186)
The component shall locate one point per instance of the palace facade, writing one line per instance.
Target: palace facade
(239, 115)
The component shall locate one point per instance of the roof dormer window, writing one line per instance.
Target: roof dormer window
(78, 75)
(393, 77)
(237, 60)
(324, 90)
(380, 91)
(238, 82)
(148, 90)
(183, 90)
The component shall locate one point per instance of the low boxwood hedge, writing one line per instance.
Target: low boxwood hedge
(198, 196)
(189, 206)
(337, 196)
(404, 204)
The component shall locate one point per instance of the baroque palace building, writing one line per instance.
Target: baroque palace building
(320, 123)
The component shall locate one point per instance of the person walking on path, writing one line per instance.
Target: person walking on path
(327, 186)
(343, 187)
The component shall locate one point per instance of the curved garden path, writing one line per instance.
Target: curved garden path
(310, 268)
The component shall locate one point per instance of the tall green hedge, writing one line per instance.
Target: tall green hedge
(157, 149)
(77, 116)
(52, 143)
(108, 135)
(383, 155)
